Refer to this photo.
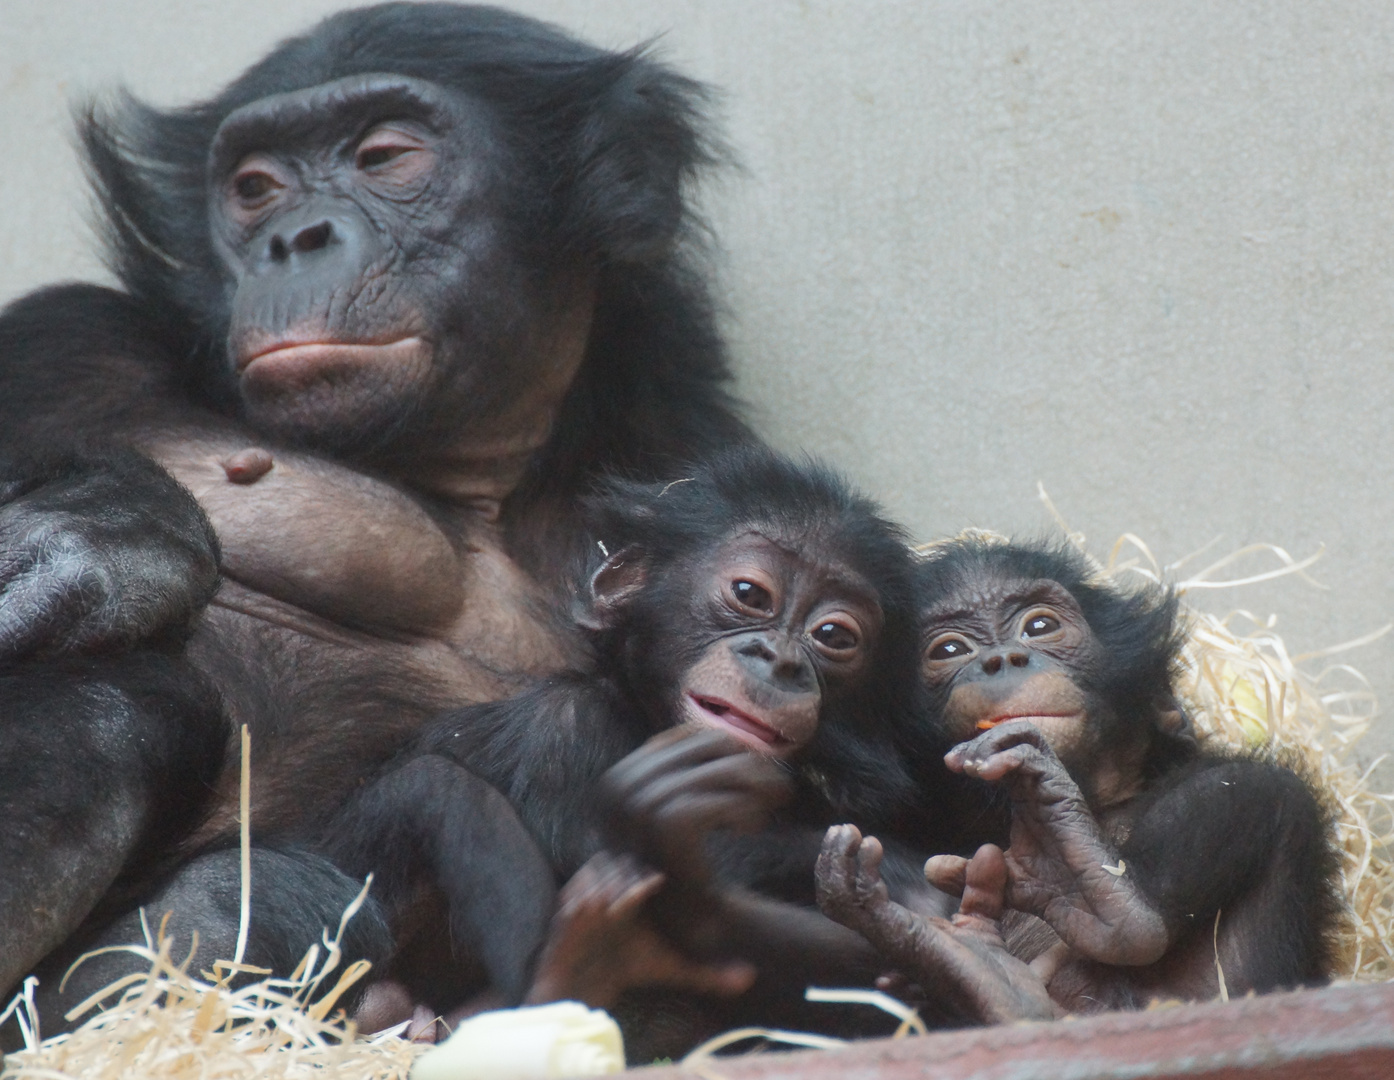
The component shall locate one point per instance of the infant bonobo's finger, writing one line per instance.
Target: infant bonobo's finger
(869, 856)
(946, 873)
(676, 748)
(757, 779)
(971, 756)
(985, 883)
(637, 888)
(996, 766)
(724, 980)
(835, 871)
(839, 842)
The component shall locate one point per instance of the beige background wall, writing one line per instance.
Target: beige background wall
(1140, 252)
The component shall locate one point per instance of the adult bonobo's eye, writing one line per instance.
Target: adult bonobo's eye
(255, 182)
(752, 596)
(253, 189)
(1039, 624)
(836, 635)
(391, 153)
(949, 647)
(252, 186)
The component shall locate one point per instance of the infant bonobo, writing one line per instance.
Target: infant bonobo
(763, 610)
(1148, 864)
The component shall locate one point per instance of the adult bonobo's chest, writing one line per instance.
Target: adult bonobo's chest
(350, 610)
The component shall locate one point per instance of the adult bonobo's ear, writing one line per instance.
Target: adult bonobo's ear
(620, 578)
(1172, 721)
(645, 140)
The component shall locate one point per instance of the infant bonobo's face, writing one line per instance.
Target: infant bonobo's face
(785, 630)
(1010, 649)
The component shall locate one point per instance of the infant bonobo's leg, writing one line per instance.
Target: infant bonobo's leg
(961, 963)
(601, 944)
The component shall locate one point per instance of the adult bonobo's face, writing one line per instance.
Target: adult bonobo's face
(372, 281)
(761, 636)
(998, 649)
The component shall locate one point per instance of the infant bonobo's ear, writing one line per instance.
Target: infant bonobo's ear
(1172, 721)
(620, 578)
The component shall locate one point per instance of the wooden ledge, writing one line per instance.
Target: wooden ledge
(1342, 1032)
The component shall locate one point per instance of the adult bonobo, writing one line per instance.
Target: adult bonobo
(390, 301)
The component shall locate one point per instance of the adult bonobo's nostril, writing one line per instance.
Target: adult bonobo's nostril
(1019, 657)
(313, 237)
(992, 663)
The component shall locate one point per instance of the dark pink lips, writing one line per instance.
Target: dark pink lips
(729, 714)
(291, 351)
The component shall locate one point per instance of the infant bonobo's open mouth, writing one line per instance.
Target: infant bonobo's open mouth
(720, 713)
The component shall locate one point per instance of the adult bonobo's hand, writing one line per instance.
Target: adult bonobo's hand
(666, 797)
(1060, 866)
(98, 552)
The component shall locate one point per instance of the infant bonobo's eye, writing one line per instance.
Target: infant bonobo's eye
(750, 595)
(1039, 624)
(835, 636)
(948, 647)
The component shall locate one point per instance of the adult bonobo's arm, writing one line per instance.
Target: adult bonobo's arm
(106, 763)
(98, 552)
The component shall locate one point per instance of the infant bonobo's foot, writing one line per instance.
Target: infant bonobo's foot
(601, 945)
(851, 892)
(962, 963)
(387, 1003)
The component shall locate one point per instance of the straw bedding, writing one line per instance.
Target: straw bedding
(1242, 689)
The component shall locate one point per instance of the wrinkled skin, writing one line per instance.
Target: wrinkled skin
(1058, 860)
(962, 962)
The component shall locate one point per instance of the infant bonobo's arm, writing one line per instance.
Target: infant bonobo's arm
(1060, 867)
(1236, 854)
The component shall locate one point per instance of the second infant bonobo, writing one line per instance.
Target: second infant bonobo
(762, 610)
(1144, 866)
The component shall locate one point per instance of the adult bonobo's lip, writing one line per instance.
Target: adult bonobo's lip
(750, 729)
(1036, 718)
(298, 359)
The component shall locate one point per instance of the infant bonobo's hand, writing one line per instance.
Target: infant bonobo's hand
(1060, 867)
(666, 797)
(961, 963)
(98, 552)
(601, 944)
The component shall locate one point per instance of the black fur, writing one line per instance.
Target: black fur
(1209, 833)
(599, 151)
(548, 749)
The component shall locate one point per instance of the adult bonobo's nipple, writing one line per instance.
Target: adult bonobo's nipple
(248, 466)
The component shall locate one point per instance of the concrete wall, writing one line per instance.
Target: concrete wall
(1139, 252)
